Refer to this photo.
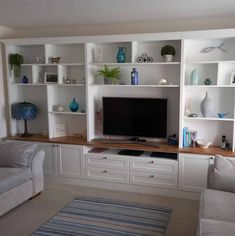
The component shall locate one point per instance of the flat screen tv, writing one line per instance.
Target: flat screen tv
(135, 117)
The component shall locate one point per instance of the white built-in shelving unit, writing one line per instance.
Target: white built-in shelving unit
(78, 62)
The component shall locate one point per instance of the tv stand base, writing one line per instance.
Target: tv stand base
(136, 139)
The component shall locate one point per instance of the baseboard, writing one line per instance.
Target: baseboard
(122, 187)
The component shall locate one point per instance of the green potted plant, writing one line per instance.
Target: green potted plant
(168, 52)
(111, 76)
(15, 60)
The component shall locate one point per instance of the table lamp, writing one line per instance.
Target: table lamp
(25, 111)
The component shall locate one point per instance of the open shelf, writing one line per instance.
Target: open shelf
(209, 118)
(135, 64)
(135, 86)
(67, 113)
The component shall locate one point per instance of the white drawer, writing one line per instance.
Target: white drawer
(109, 175)
(153, 179)
(161, 166)
(107, 161)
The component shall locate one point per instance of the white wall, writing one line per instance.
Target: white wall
(4, 33)
(129, 28)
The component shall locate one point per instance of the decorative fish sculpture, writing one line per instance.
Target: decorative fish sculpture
(209, 49)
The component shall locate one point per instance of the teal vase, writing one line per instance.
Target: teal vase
(74, 106)
(121, 55)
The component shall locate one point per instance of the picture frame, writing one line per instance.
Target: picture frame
(232, 79)
(50, 78)
(59, 130)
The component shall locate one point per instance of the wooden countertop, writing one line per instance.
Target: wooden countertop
(163, 147)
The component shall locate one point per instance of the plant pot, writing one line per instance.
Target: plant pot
(168, 58)
(107, 81)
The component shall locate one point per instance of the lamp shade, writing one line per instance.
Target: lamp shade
(24, 110)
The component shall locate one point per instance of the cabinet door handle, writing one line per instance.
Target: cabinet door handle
(105, 171)
(152, 162)
(105, 158)
(151, 176)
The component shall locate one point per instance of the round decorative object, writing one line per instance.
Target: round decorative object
(68, 81)
(25, 80)
(194, 77)
(58, 108)
(162, 82)
(206, 106)
(74, 106)
(207, 81)
(74, 81)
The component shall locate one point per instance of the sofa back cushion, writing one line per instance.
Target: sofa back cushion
(222, 175)
(15, 154)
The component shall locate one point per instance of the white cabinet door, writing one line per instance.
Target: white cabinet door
(49, 164)
(70, 160)
(193, 170)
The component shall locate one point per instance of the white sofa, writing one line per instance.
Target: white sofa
(217, 205)
(17, 184)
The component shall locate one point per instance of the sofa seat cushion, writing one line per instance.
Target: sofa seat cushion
(217, 228)
(12, 177)
(218, 205)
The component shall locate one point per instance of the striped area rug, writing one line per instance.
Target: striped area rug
(88, 216)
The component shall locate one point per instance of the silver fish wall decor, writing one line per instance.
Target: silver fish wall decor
(209, 49)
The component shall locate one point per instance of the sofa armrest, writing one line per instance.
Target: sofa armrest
(37, 172)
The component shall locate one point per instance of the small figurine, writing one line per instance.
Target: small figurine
(207, 81)
(25, 80)
(74, 81)
(68, 81)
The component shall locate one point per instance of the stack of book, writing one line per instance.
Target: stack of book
(189, 137)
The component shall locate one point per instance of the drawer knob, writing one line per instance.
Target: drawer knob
(105, 158)
(105, 171)
(152, 162)
(151, 176)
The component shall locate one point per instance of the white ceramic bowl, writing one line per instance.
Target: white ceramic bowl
(203, 143)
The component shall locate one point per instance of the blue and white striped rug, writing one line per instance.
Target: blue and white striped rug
(88, 216)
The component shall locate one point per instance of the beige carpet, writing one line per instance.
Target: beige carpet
(24, 219)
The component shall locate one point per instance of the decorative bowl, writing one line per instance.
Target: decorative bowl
(203, 143)
(55, 60)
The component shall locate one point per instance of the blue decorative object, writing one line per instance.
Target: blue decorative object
(74, 106)
(25, 80)
(121, 55)
(134, 77)
(25, 111)
(222, 115)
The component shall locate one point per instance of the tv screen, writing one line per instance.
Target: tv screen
(137, 117)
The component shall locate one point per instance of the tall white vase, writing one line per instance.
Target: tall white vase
(206, 106)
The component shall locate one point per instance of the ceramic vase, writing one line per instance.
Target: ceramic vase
(74, 106)
(168, 58)
(194, 77)
(206, 106)
(121, 55)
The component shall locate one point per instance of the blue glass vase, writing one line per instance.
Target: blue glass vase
(121, 55)
(134, 77)
(25, 80)
(74, 106)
